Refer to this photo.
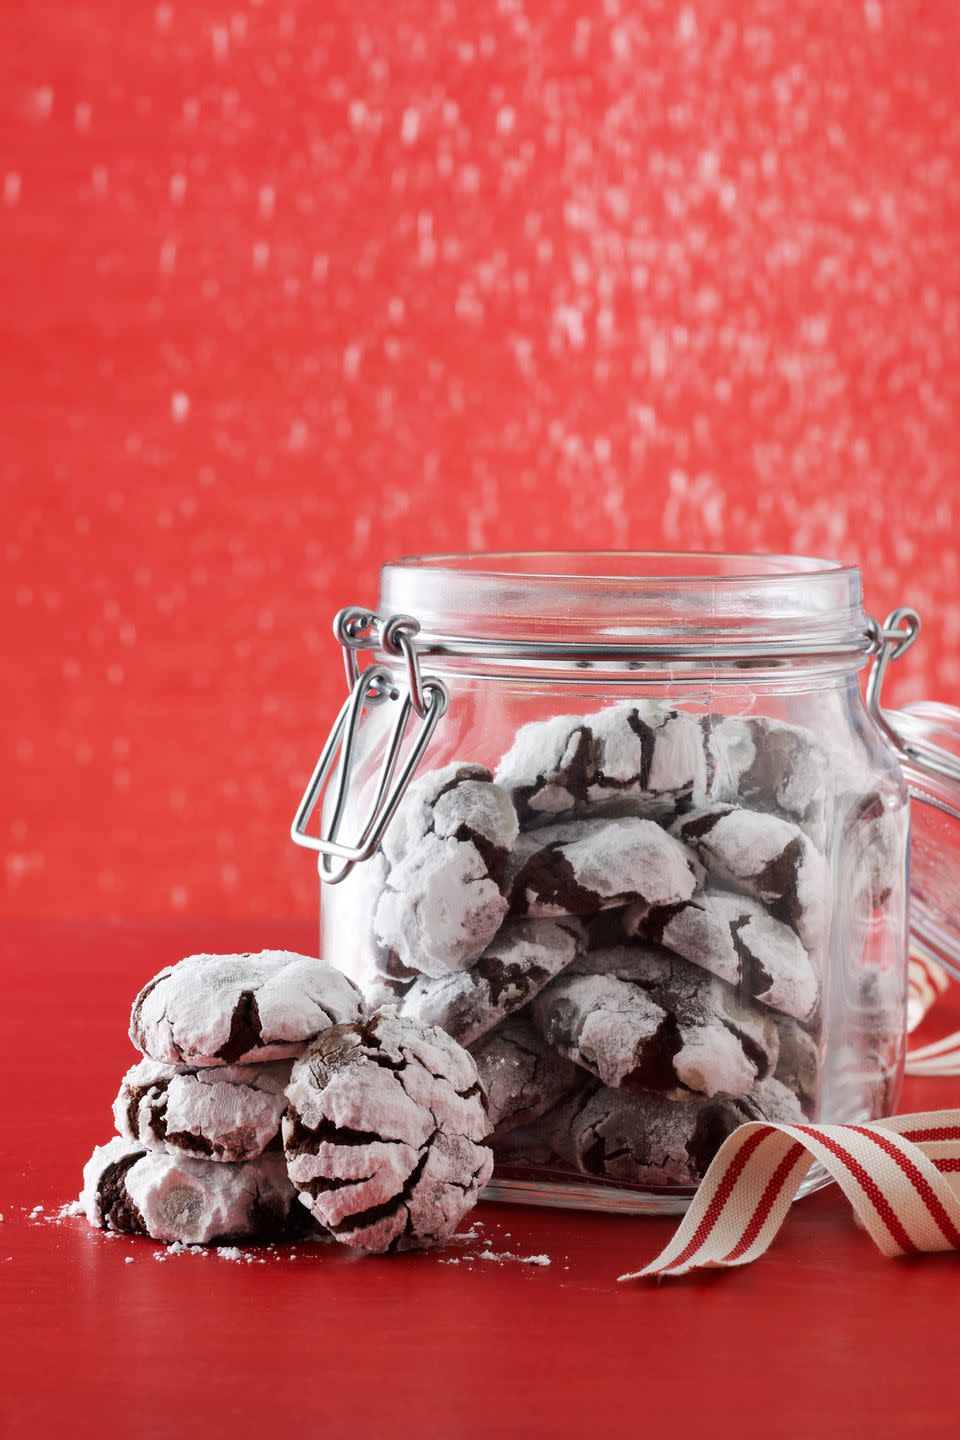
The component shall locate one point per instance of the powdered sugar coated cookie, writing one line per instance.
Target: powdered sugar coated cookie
(193, 1202)
(238, 1009)
(636, 1016)
(736, 938)
(447, 848)
(524, 956)
(386, 1135)
(766, 764)
(583, 866)
(640, 757)
(216, 1112)
(766, 856)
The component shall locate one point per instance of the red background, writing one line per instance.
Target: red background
(289, 289)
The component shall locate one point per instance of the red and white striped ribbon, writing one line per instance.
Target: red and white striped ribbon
(902, 1177)
(942, 1057)
(927, 982)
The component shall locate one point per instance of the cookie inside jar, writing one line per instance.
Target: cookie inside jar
(654, 899)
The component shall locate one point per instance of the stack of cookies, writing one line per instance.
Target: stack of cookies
(197, 1157)
(266, 1106)
(626, 923)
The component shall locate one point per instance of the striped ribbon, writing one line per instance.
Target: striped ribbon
(927, 982)
(901, 1175)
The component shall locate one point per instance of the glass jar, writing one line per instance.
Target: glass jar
(623, 825)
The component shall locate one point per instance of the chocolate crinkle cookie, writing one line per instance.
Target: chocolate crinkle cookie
(874, 846)
(640, 758)
(771, 1100)
(386, 1135)
(194, 1202)
(767, 857)
(527, 1146)
(236, 1009)
(583, 866)
(798, 1064)
(736, 938)
(446, 851)
(641, 1139)
(655, 1139)
(525, 956)
(766, 764)
(638, 1017)
(521, 1074)
(216, 1112)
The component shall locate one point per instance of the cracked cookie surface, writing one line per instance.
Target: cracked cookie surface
(652, 1139)
(736, 938)
(446, 851)
(524, 956)
(766, 764)
(638, 1017)
(640, 758)
(583, 866)
(194, 1202)
(238, 1009)
(386, 1134)
(522, 1075)
(798, 1064)
(214, 1112)
(644, 1139)
(767, 857)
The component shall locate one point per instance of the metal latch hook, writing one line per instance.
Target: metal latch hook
(893, 639)
(424, 696)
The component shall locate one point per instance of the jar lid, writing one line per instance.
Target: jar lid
(928, 740)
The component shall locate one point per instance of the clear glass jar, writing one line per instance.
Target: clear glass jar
(624, 826)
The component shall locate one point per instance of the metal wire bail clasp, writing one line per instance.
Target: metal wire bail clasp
(900, 629)
(422, 695)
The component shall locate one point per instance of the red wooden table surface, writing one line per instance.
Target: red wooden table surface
(823, 1336)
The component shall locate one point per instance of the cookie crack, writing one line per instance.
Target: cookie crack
(116, 1207)
(655, 1068)
(755, 1053)
(757, 978)
(551, 877)
(653, 924)
(701, 825)
(779, 878)
(647, 738)
(574, 776)
(363, 1219)
(187, 1140)
(245, 1029)
(324, 1185)
(301, 1138)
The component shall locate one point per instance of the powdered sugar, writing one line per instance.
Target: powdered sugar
(523, 957)
(223, 1113)
(582, 866)
(386, 1132)
(636, 1015)
(216, 1009)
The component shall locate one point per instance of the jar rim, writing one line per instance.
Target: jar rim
(633, 566)
(691, 604)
